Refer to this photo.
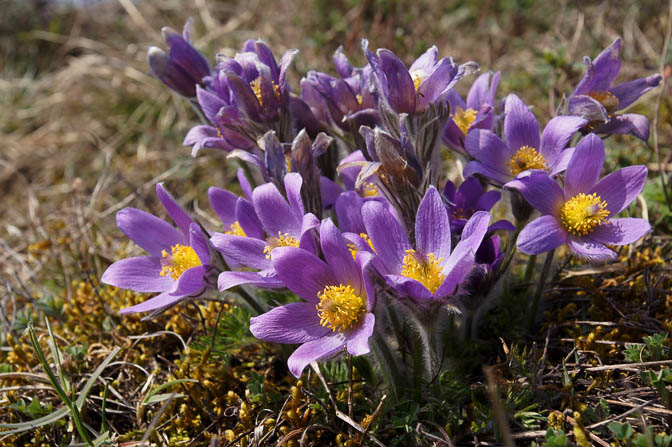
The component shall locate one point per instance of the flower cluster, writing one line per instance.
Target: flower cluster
(346, 209)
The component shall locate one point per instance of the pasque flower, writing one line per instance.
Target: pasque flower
(269, 222)
(184, 67)
(430, 270)
(522, 149)
(338, 299)
(412, 90)
(597, 98)
(477, 112)
(470, 197)
(582, 215)
(178, 261)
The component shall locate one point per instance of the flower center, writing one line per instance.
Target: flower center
(340, 308)
(461, 213)
(369, 190)
(359, 99)
(282, 240)
(353, 248)
(256, 88)
(582, 213)
(463, 118)
(526, 158)
(180, 259)
(236, 230)
(426, 271)
(607, 99)
(418, 76)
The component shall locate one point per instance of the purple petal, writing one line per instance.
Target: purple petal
(292, 323)
(244, 183)
(588, 108)
(431, 88)
(230, 279)
(148, 231)
(489, 149)
(589, 250)
(560, 162)
(358, 339)
(629, 92)
(426, 61)
(274, 212)
(462, 263)
(199, 243)
(627, 124)
(210, 103)
(557, 134)
(349, 212)
(302, 272)
(330, 191)
(163, 300)
(620, 231)
(620, 188)
(479, 93)
(339, 258)
(224, 204)
(487, 201)
(293, 182)
(191, 282)
(176, 213)
(601, 72)
(248, 220)
(540, 190)
(285, 62)
(205, 136)
(313, 351)
(542, 234)
(408, 287)
(520, 125)
(141, 274)
(432, 226)
(243, 250)
(585, 166)
(476, 167)
(387, 236)
(400, 89)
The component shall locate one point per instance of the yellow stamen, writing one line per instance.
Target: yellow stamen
(282, 240)
(607, 99)
(461, 213)
(256, 88)
(181, 258)
(418, 76)
(583, 212)
(369, 190)
(526, 158)
(359, 99)
(426, 271)
(340, 308)
(463, 118)
(236, 230)
(353, 248)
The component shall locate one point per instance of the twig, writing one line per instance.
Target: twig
(647, 408)
(500, 415)
(620, 416)
(373, 418)
(592, 436)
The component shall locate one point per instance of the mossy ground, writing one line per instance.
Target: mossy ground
(86, 131)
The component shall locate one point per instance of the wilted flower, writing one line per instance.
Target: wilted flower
(476, 113)
(582, 215)
(412, 90)
(430, 271)
(596, 98)
(271, 221)
(178, 261)
(339, 297)
(502, 161)
(184, 67)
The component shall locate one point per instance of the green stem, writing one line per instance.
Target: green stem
(531, 262)
(534, 309)
(388, 365)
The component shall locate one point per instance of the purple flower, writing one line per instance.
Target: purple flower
(257, 81)
(339, 298)
(184, 67)
(269, 222)
(596, 98)
(581, 215)
(430, 271)
(502, 161)
(178, 261)
(412, 90)
(469, 198)
(476, 113)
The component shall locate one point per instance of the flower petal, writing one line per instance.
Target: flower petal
(588, 108)
(242, 250)
(542, 234)
(590, 250)
(432, 226)
(291, 323)
(476, 167)
(302, 272)
(313, 351)
(358, 339)
(349, 212)
(163, 300)
(223, 202)
(191, 282)
(520, 125)
(274, 212)
(339, 258)
(387, 236)
(601, 72)
(629, 92)
(148, 231)
(620, 188)
(230, 279)
(557, 134)
(293, 182)
(488, 148)
(248, 220)
(179, 216)
(141, 274)
(400, 92)
(620, 231)
(585, 166)
(199, 243)
(408, 287)
(627, 124)
(540, 191)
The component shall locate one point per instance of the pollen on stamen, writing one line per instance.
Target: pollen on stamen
(583, 212)
(281, 240)
(235, 229)
(607, 99)
(369, 190)
(256, 88)
(417, 76)
(340, 308)
(526, 158)
(464, 118)
(180, 259)
(426, 270)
